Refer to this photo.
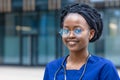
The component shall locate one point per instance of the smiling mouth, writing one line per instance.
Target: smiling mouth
(72, 43)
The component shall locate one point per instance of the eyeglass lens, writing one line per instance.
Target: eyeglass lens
(66, 32)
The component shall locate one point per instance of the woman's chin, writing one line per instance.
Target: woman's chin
(73, 49)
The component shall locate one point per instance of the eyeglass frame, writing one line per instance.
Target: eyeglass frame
(77, 34)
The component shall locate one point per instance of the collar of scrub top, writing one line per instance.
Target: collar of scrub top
(62, 66)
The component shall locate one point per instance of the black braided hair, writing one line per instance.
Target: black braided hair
(91, 15)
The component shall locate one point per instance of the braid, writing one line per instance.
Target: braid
(90, 14)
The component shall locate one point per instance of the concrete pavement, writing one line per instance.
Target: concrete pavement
(22, 73)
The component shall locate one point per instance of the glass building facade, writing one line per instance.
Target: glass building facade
(29, 32)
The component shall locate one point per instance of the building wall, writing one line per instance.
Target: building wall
(29, 31)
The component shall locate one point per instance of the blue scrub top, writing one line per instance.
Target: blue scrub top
(97, 68)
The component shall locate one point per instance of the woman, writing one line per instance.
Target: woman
(80, 25)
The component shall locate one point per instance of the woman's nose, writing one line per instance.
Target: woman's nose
(71, 34)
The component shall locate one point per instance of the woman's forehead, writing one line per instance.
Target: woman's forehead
(73, 19)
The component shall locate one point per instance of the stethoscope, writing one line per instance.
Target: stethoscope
(62, 66)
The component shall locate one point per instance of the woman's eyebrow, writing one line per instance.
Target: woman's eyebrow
(78, 26)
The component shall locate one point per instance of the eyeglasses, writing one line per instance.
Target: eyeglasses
(66, 32)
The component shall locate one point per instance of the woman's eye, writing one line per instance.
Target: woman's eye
(77, 31)
(65, 31)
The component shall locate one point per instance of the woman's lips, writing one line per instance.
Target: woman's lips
(72, 43)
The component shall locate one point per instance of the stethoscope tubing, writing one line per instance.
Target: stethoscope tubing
(62, 66)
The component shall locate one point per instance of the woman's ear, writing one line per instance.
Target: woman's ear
(92, 33)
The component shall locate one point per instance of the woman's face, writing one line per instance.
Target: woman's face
(79, 32)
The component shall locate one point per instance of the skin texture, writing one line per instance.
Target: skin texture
(77, 45)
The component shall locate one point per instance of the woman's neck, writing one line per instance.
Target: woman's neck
(78, 56)
(76, 59)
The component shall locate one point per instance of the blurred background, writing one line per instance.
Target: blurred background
(29, 33)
